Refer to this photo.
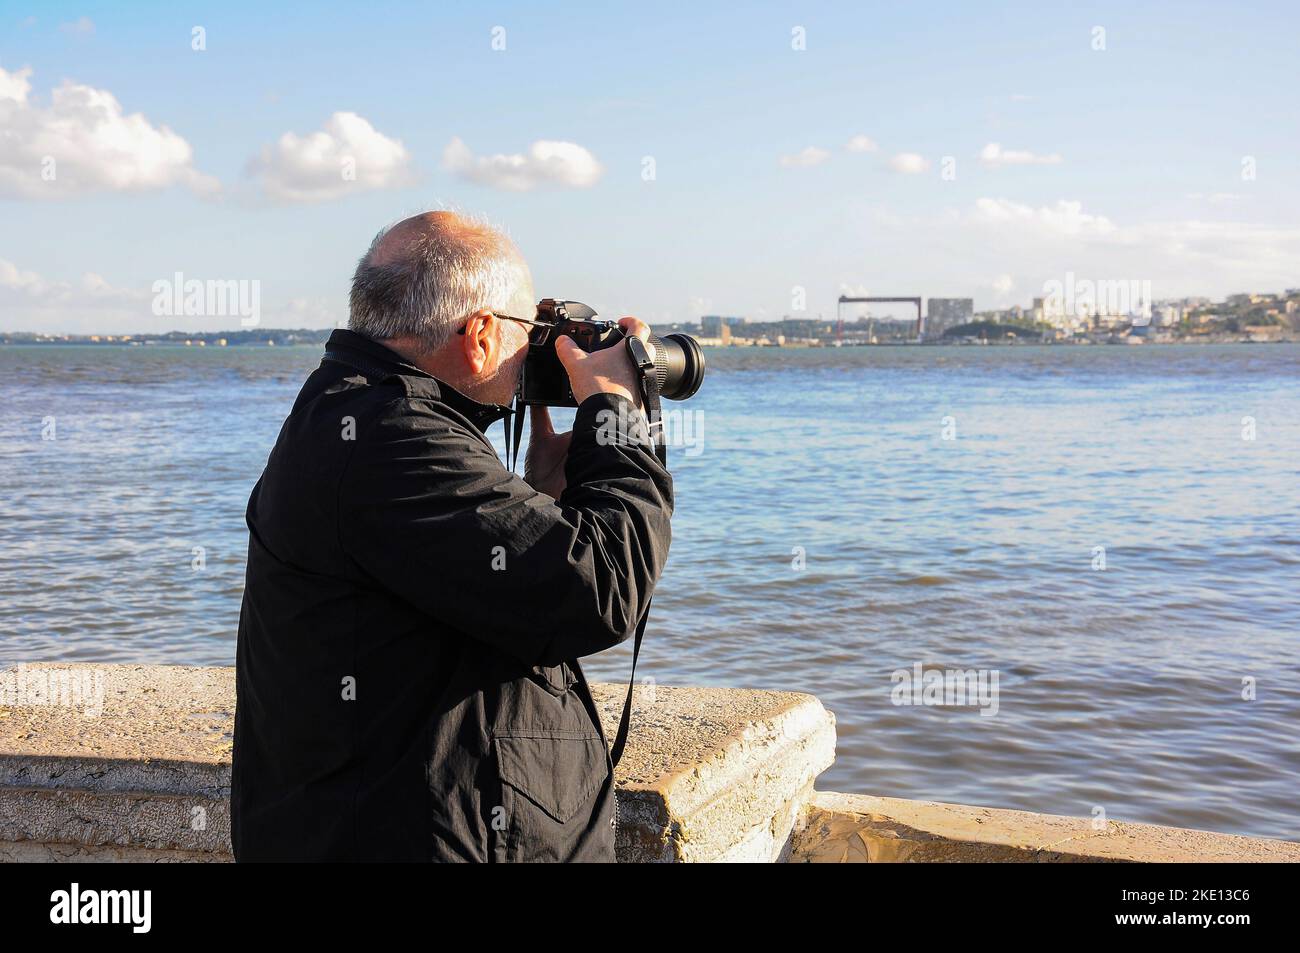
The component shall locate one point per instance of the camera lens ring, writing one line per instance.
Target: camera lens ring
(688, 363)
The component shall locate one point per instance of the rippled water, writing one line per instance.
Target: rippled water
(1119, 689)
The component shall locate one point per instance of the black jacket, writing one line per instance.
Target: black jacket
(407, 679)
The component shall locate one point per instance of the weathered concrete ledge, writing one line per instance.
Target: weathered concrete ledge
(132, 763)
(709, 774)
(853, 828)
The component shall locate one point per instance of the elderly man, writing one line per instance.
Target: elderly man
(408, 684)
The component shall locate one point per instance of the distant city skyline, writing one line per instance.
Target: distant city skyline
(1089, 318)
(668, 163)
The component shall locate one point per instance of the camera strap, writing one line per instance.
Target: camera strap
(645, 366)
(515, 426)
(649, 375)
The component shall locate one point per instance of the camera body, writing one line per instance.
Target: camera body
(544, 380)
(678, 360)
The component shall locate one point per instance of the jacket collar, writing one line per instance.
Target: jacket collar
(376, 359)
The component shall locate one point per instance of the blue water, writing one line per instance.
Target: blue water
(1119, 688)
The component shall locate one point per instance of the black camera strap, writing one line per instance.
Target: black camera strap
(517, 427)
(649, 375)
(650, 398)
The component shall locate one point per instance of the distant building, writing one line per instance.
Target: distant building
(711, 325)
(1265, 332)
(944, 313)
(800, 328)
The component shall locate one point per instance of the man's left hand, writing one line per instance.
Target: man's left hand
(547, 451)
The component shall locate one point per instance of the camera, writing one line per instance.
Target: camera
(678, 359)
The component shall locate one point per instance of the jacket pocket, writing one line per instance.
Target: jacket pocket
(556, 679)
(557, 769)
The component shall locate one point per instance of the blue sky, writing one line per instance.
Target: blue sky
(1122, 162)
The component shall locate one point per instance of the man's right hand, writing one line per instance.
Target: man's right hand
(607, 371)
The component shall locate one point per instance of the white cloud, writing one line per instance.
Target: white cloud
(1254, 255)
(84, 142)
(91, 304)
(805, 158)
(1037, 242)
(34, 289)
(994, 156)
(1065, 218)
(15, 86)
(1002, 285)
(13, 279)
(27, 298)
(80, 27)
(909, 163)
(547, 163)
(861, 144)
(346, 155)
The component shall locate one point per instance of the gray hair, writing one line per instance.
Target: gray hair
(450, 268)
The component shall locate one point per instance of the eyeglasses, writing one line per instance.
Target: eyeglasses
(537, 334)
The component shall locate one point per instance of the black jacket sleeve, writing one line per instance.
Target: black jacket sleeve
(428, 511)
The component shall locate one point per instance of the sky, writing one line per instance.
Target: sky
(664, 160)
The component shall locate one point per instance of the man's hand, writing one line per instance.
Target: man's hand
(607, 371)
(547, 450)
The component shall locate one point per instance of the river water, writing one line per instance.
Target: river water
(1107, 537)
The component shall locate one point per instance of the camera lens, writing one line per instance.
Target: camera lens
(679, 362)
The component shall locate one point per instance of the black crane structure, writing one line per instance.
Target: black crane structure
(920, 321)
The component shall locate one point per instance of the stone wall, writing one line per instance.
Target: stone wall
(709, 774)
(132, 763)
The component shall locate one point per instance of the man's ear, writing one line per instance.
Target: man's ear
(480, 341)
